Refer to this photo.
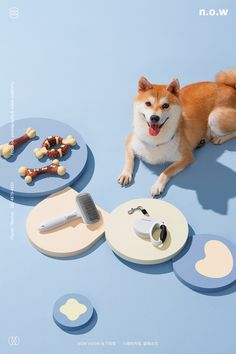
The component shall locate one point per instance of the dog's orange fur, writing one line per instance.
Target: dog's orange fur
(198, 102)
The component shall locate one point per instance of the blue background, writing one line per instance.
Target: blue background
(79, 62)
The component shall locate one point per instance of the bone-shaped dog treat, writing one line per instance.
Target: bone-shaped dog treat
(7, 150)
(30, 173)
(51, 141)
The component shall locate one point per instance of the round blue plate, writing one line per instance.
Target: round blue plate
(74, 160)
(72, 312)
(207, 263)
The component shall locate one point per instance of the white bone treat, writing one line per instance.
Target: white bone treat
(69, 140)
(7, 150)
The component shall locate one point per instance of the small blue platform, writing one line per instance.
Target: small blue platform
(61, 312)
(74, 160)
(184, 264)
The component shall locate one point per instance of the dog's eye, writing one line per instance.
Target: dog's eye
(148, 103)
(165, 105)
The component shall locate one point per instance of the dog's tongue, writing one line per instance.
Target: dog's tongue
(154, 129)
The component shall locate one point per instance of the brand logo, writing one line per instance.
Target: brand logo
(213, 12)
(13, 340)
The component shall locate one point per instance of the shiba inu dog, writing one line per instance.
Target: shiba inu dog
(169, 123)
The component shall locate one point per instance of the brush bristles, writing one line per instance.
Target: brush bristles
(87, 208)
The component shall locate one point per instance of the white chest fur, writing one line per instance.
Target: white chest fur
(168, 152)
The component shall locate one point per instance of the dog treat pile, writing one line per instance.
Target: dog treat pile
(7, 150)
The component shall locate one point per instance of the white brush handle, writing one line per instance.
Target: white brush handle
(62, 220)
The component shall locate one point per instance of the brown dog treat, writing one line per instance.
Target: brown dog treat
(31, 173)
(51, 141)
(7, 150)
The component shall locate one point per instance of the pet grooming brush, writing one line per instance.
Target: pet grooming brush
(87, 210)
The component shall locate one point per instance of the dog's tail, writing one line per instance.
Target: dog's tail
(227, 77)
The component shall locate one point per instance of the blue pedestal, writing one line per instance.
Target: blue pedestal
(184, 265)
(72, 312)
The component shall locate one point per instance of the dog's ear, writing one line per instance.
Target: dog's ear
(174, 86)
(144, 85)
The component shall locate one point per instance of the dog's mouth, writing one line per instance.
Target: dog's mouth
(154, 129)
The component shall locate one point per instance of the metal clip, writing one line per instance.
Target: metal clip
(144, 211)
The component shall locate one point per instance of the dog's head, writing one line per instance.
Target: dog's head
(157, 106)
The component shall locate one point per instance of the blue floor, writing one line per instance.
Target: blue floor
(79, 62)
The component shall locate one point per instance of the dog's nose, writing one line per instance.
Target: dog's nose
(154, 119)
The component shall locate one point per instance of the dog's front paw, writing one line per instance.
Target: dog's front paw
(156, 189)
(125, 178)
(159, 186)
